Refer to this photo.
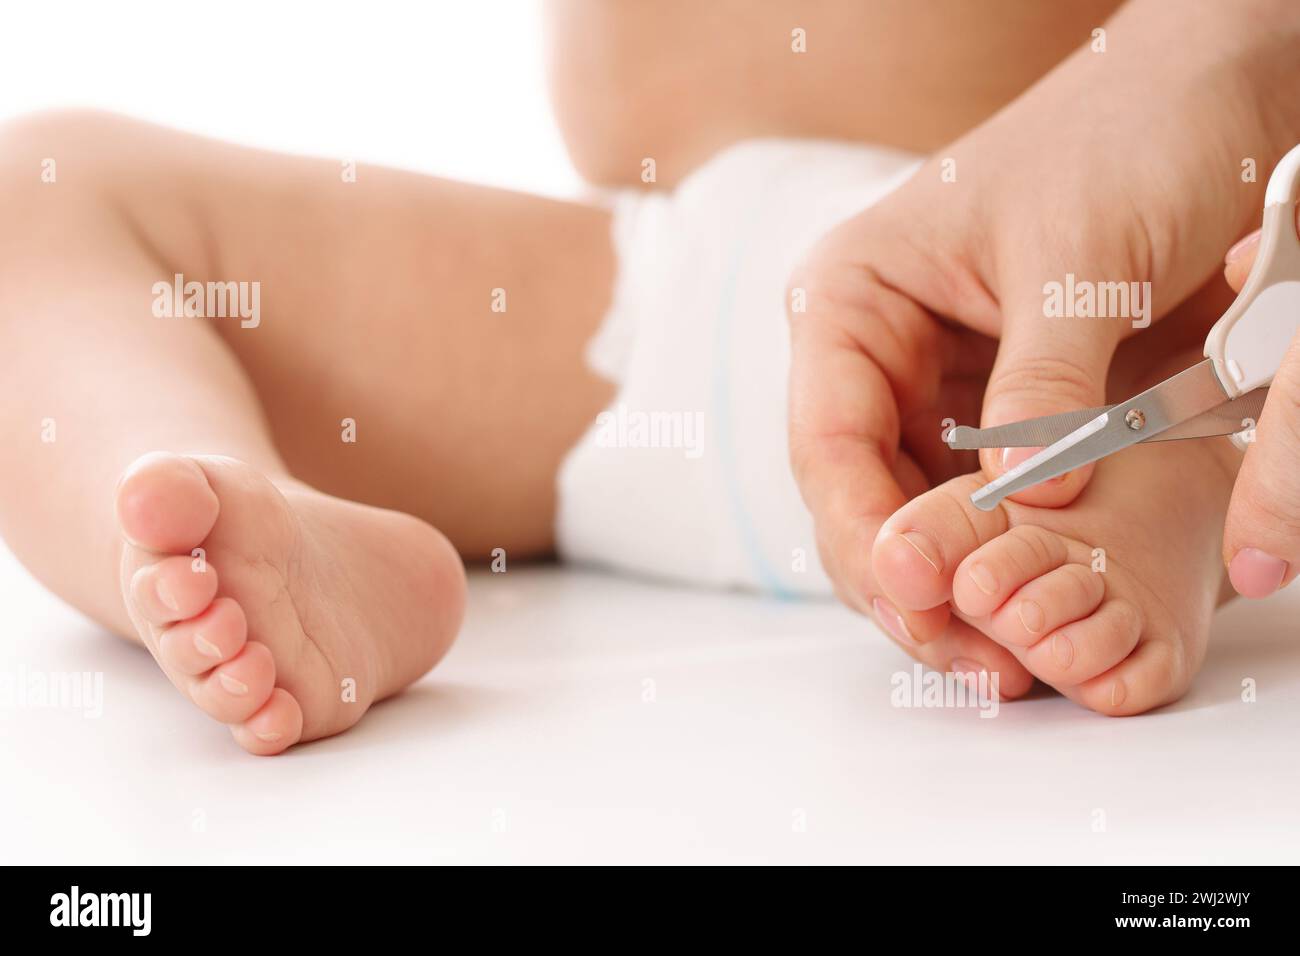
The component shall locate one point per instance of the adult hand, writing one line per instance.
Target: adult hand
(1080, 180)
(1261, 537)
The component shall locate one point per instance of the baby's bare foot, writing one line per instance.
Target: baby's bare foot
(278, 610)
(1108, 600)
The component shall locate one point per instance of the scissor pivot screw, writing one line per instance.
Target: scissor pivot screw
(1135, 419)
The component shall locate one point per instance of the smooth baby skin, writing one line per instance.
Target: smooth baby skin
(1108, 599)
(185, 481)
(325, 605)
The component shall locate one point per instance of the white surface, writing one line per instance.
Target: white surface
(532, 742)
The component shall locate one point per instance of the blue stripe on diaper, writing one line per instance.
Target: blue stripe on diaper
(767, 575)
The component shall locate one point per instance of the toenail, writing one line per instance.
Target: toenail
(1031, 616)
(232, 686)
(164, 592)
(965, 667)
(206, 647)
(983, 578)
(270, 737)
(888, 617)
(1014, 456)
(925, 547)
(1062, 651)
(1117, 693)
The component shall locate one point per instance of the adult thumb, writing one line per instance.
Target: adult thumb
(1261, 537)
(1046, 363)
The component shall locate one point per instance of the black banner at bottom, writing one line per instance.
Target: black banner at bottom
(336, 904)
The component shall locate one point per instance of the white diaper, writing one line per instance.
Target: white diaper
(686, 475)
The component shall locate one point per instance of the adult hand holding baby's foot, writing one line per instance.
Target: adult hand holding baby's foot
(887, 351)
(1261, 538)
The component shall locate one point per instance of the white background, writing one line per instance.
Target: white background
(770, 735)
(452, 88)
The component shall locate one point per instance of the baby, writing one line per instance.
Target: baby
(258, 408)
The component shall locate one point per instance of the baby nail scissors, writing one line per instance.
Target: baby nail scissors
(1214, 397)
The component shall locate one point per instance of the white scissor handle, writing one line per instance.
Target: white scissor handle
(1248, 343)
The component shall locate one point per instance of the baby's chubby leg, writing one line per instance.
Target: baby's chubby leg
(167, 474)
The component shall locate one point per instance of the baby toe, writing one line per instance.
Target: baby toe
(1085, 648)
(1155, 674)
(172, 589)
(922, 543)
(986, 578)
(196, 646)
(849, 557)
(275, 727)
(1046, 603)
(235, 690)
(165, 504)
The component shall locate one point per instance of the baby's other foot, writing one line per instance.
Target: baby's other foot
(280, 611)
(1108, 599)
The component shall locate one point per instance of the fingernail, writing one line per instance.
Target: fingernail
(1031, 616)
(1255, 573)
(965, 667)
(983, 578)
(889, 618)
(1242, 246)
(206, 647)
(925, 547)
(232, 686)
(165, 595)
(269, 737)
(1062, 651)
(1014, 456)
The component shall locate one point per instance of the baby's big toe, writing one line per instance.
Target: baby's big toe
(921, 545)
(165, 504)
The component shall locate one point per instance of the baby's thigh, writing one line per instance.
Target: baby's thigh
(415, 343)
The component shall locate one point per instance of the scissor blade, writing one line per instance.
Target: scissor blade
(1226, 419)
(1032, 431)
(1175, 400)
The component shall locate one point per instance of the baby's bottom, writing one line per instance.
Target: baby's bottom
(375, 368)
